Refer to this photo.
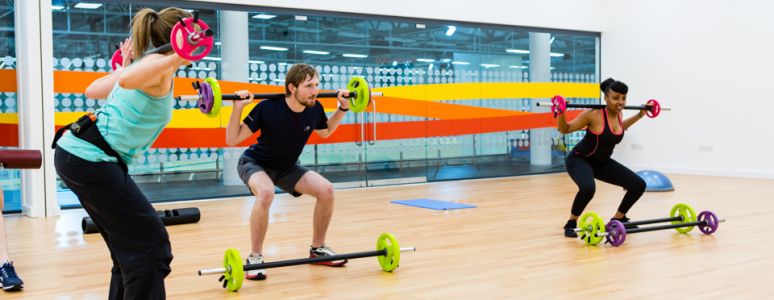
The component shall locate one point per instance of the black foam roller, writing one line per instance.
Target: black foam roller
(168, 217)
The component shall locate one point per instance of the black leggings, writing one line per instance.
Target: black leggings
(583, 173)
(134, 234)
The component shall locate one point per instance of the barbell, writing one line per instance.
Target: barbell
(682, 217)
(387, 253)
(210, 99)
(559, 105)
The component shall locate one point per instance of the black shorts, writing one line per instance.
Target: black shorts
(284, 179)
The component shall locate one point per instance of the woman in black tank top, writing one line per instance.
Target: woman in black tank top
(590, 159)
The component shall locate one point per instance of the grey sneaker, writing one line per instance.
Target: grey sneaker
(325, 251)
(255, 274)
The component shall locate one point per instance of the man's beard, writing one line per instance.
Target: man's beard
(306, 103)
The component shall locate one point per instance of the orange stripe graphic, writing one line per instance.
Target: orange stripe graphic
(8, 80)
(216, 137)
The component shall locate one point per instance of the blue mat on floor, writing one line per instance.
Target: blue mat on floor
(433, 204)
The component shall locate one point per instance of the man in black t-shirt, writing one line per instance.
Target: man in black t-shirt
(285, 126)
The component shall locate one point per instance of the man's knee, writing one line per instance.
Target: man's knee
(261, 190)
(263, 195)
(326, 190)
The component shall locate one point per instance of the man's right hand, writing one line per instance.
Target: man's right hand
(239, 105)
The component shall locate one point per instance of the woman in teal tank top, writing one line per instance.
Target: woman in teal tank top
(139, 106)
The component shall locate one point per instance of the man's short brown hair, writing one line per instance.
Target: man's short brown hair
(298, 74)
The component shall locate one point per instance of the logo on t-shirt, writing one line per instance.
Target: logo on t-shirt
(306, 128)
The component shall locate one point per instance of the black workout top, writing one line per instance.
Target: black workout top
(598, 146)
(284, 133)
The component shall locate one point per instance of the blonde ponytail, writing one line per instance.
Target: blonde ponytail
(151, 29)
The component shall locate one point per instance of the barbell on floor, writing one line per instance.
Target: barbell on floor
(682, 217)
(387, 253)
(707, 222)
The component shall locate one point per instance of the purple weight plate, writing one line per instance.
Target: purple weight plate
(709, 220)
(206, 99)
(616, 233)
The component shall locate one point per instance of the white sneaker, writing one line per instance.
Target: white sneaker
(255, 274)
(323, 252)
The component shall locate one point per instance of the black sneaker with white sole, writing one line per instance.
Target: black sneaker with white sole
(625, 221)
(9, 279)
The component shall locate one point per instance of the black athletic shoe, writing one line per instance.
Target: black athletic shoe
(625, 221)
(9, 280)
(569, 229)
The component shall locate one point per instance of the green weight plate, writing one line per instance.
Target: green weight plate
(359, 86)
(591, 224)
(688, 214)
(235, 273)
(391, 260)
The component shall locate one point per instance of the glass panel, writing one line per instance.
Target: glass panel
(447, 113)
(321, 42)
(578, 64)
(395, 138)
(86, 40)
(10, 180)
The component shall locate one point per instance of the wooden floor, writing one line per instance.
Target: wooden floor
(510, 246)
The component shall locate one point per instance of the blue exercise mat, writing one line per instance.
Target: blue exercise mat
(433, 204)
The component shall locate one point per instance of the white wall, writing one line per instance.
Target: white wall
(711, 61)
(708, 60)
(560, 14)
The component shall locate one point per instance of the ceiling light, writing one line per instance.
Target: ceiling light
(264, 16)
(272, 48)
(451, 30)
(86, 5)
(517, 51)
(316, 52)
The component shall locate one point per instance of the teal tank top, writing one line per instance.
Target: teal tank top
(130, 121)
